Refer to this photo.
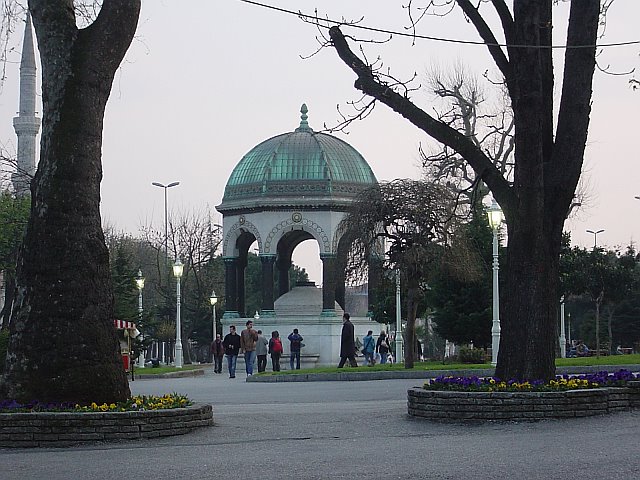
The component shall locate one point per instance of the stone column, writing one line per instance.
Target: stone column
(231, 287)
(241, 266)
(283, 276)
(267, 284)
(328, 284)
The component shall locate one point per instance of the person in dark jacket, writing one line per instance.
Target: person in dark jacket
(217, 352)
(382, 347)
(231, 344)
(347, 343)
(296, 344)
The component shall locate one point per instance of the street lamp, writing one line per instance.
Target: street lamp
(563, 337)
(166, 232)
(595, 236)
(140, 285)
(495, 219)
(177, 272)
(213, 300)
(398, 319)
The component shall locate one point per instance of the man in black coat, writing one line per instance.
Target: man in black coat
(347, 343)
(231, 345)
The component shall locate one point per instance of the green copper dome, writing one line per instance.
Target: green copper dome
(298, 167)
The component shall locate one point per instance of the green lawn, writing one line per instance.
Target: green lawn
(605, 360)
(561, 362)
(378, 368)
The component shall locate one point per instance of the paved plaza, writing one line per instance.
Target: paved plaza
(340, 430)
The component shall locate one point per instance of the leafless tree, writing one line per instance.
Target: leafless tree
(195, 240)
(548, 154)
(415, 223)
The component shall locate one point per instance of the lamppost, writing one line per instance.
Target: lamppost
(177, 272)
(166, 222)
(595, 236)
(140, 285)
(494, 212)
(563, 338)
(213, 300)
(398, 319)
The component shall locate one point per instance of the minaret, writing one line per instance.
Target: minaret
(26, 124)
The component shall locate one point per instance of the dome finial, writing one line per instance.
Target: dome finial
(304, 125)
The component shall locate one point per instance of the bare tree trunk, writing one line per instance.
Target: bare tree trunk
(63, 343)
(548, 162)
(412, 308)
(598, 303)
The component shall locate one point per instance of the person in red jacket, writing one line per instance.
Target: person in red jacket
(275, 349)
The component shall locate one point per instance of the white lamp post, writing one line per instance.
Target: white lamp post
(495, 219)
(595, 236)
(563, 337)
(166, 231)
(177, 272)
(213, 300)
(140, 285)
(398, 319)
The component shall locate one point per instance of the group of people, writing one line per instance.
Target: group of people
(254, 346)
(371, 349)
(577, 349)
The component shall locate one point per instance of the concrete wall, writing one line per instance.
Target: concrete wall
(60, 429)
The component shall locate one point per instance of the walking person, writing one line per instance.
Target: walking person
(296, 344)
(248, 339)
(261, 352)
(231, 345)
(347, 342)
(275, 349)
(382, 347)
(217, 352)
(369, 349)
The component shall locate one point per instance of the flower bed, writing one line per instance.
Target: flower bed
(473, 398)
(560, 383)
(37, 424)
(137, 403)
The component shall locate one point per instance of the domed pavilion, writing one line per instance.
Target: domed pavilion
(293, 187)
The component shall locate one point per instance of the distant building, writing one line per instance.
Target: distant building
(26, 124)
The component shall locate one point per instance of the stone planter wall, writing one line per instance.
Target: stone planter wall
(454, 406)
(19, 430)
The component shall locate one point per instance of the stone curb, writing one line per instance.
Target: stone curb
(196, 372)
(363, 375)
(63, 429)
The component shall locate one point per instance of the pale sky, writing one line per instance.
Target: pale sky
(205, 81)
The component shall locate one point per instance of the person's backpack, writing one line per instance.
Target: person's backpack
(295, 344)
(277, 346)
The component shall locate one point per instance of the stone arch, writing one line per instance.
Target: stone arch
(283, 227)
(229, 248)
